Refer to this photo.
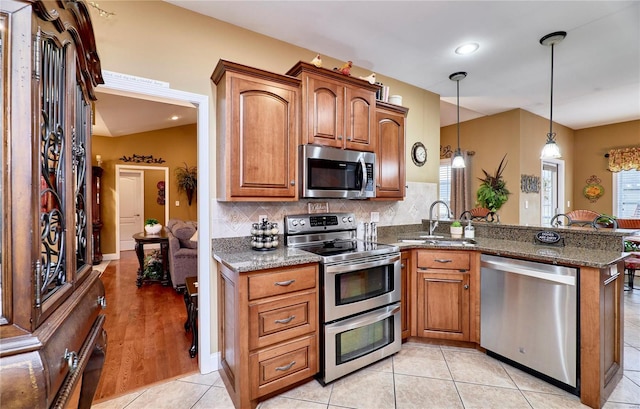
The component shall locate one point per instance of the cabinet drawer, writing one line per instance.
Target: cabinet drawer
(448, 260)
(279, 367)
(282, 281)
(282, 319)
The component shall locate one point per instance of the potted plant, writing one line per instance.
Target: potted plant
(493, 192)
(187, 179)
(456, 229)
(152, 265)
(152, 226)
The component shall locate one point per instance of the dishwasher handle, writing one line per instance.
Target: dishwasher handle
(535, 273)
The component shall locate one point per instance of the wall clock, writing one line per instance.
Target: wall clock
(419, 154)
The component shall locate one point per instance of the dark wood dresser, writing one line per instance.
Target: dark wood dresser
(52, 341)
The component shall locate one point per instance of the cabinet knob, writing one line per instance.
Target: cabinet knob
(102, 302)
(71, 358)
(349, 138)
(403, 265)
(466, 286)
(339, 138)
(293, 183)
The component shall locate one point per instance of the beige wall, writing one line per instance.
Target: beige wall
(175, 145)
(590, 147)
(520, 135)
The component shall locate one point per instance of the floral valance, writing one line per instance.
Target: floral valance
(624, 159)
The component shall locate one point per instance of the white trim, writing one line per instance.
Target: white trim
(561, 195)
(120, 83)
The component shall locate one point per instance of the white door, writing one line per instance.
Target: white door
(131, 198)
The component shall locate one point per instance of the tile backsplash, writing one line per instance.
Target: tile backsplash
(234, 219)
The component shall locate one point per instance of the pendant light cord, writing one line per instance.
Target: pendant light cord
(458, 97)
(551, 134)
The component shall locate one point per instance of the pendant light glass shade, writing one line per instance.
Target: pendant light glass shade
(551, 149)
(458, 159)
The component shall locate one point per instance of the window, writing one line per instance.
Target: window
(626, 194)
(444, 192)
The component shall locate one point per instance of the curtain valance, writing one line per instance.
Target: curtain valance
(624, 159)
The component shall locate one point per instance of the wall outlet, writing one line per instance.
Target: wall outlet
(262, 217)
(177, 203)
(375, 217)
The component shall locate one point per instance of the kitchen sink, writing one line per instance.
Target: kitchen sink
(441, 241)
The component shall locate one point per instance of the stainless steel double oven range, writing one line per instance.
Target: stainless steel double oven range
(360, 298)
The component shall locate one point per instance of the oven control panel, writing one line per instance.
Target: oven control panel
(319, 222)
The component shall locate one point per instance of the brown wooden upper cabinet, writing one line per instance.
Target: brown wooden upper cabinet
(390, 156)
(337, 110)
(257, 128)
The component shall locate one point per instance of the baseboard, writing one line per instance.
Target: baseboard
(111, 256)
(211, 364)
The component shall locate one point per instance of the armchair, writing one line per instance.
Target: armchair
(183, 252)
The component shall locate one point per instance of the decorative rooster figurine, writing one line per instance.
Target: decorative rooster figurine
(345, 69)
(317, 61)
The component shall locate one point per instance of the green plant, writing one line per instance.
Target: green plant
(152, 265)
(493, 192)
(151, 222)
(187, 179)
(456, 224)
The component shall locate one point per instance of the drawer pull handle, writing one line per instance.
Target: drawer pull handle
(71, 358)
(102, 302)
(285, 320)
(443, 260)
(284, 283)
(286, 367)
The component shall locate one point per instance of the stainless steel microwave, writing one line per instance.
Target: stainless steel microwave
(336, 173)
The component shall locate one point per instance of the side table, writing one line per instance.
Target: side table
(163, 239)
(191, 302)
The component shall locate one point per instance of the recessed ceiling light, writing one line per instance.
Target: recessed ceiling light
(468, 48)
(175, 118)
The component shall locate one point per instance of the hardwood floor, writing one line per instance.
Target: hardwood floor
(147, 342)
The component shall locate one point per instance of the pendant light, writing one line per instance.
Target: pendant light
(458, 159)
(551, 149)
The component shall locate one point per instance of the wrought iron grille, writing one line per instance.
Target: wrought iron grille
(52, 274)
(79, 150)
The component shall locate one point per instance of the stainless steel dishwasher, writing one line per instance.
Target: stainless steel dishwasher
(529, 315)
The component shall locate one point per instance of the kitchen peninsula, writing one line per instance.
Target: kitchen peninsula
(596, 253)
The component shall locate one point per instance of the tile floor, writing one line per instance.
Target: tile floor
(419, 376)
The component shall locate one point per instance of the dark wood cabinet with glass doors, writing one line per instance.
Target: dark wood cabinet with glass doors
(52, 341)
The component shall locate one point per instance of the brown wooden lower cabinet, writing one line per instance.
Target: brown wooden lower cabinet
(268, 336)
(447, 295)
(405, 270)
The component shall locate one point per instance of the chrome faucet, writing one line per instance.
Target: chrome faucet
(434, 223)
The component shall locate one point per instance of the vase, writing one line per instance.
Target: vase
(456, 232)
(152, 228)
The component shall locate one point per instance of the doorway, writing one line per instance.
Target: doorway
(130, 197)
(123, 84)
(552, 187)
(130, 202)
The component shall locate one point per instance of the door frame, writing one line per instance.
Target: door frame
(561, 185)
(129, 85)
(142, 168)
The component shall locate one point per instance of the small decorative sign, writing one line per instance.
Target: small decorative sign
(529, 183)
(549, 238)
(318, 207)
(141, 159)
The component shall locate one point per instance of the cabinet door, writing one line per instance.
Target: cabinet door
(325, 112)
(264, 139)
(390, 155)
(405, 268)
(359, 118)
(443, 305)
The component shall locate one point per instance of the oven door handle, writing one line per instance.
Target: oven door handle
(366, 319)
(346, 267)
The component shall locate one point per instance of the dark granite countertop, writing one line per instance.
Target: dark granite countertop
(589, 248)
(236, 254)
(573, 256)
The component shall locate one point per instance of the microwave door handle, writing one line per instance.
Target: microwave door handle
(363, 167)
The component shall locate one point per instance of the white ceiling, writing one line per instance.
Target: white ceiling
(596, 68)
